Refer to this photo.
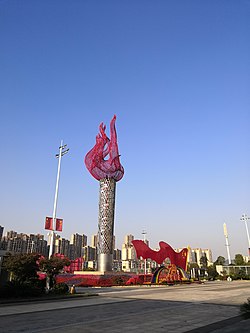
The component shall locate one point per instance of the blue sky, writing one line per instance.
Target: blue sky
(176, 74)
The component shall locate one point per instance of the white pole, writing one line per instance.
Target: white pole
(227, 243)
(55, 201)
(145, 260)
(245, 218)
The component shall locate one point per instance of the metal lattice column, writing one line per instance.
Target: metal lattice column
(106, 224)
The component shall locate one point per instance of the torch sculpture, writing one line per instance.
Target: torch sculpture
(103, 162)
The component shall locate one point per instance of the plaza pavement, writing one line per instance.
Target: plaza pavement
(208, 307)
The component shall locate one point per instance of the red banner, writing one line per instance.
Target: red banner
(49, 223)
(59, 224)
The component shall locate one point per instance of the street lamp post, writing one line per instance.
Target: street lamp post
(245, 218)
(227, 243)
(62, 151)
(145, 260)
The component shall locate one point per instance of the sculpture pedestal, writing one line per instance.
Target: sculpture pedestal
(105, 237)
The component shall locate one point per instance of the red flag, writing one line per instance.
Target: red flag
(49, 223)
(59, 224)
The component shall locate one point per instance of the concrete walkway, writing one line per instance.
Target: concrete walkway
(209, 307)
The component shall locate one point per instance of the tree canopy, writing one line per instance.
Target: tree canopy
(52, 267)
(220, 261)
(203, 261)
(22, 267)
(239, 260)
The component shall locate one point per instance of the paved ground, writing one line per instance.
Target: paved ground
(209, 307)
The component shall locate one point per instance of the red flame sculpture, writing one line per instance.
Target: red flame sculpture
(95, 161)
(166, 251)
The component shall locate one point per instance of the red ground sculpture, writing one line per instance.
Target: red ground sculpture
(95, 159)
(166, 251)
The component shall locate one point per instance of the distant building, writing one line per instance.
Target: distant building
(36, 244)
(198, 253)
(128, 240)
(128, 255)
(123, 260)
(117, 260)
(24, 243)
(195, 255)
(94, 241)
(3, 244)
(117, 254)
(232, 270)
(1, 232)
(89, 253)
(62, 246)
(11, 234)
(72, 252)
(77, 244)
(246, 259)
(128, 251)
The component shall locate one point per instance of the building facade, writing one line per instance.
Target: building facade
(77, 244)
(1, 232)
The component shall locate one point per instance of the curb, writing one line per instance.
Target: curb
(17, 301)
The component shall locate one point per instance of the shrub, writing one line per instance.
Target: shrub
(15, 289)
(245, 309)
(61, 288)
(118, 281)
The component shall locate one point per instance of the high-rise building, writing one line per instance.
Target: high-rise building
(89, 253)
(11, 234)
(128, 254)
(24, 243)
(128, 251)
(42, 247)
(117, 260)
(117, 254)
(94, 241)
(36, 244)
(1, 232)
(84, 240)
(79, 242)
(208, 254)
(3, 244)
(72, 252)
(62, 246)
(128, 239)
(195, 255)
(65, 247)
(17, 245)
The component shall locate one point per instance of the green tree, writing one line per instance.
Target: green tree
(242, 274)
(238, 260)
(203, 261)
(22, 267)
(24, 279)
(52, 267)
(220, 261)
(192, 265)
(212, 273)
